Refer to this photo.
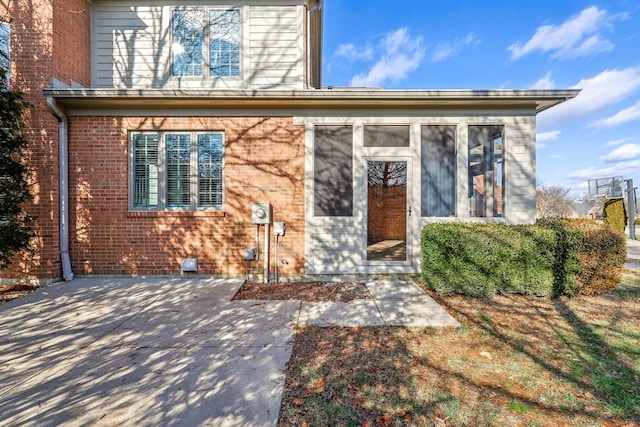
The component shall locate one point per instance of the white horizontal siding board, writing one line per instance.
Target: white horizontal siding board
(286, 20)
(288, 31)
(275, 12)
(265, 58)
(260, 46)
(277, 73)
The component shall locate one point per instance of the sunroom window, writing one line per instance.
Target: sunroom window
(333, 171)
(438, 170)
(177, 171)
(486, 178)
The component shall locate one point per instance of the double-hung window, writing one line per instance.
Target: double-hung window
(177, 171)
(219, 30)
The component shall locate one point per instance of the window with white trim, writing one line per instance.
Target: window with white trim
(177, 171)
(219, 29)
(485, 175)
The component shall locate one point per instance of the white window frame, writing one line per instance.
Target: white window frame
(162, 205)
(206, 43)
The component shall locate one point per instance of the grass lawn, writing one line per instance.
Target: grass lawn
(516, 360)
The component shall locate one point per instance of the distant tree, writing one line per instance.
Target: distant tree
(15, 230)
(554, 202)
(583, 206)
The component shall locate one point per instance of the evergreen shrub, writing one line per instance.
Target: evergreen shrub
(551, 258)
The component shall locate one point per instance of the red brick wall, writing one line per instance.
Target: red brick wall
(35, 41)
(386, 213)
(264, 162)
(72, 41)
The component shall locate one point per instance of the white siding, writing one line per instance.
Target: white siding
(275, 48)
(131, 46)
(520, 170)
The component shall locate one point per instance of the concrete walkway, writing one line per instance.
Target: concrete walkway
(170, 352)
(633, 253)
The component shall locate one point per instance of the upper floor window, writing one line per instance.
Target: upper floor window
(225, 43)
(190, 37)
(187, 43)
(177, 170)
(4, 55)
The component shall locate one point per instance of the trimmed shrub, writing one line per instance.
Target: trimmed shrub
(602, 256)
(481, 260)
(554, 257)
(567, 261)
(614, 214)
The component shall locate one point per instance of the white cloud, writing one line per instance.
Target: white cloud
(620, 141)
(627, 115)
(545, 82)
(402, 53)
(623, 153)
(619, 169)
(569, 39)
(593, 45)
(544, 137)
(351, 52)
(446, 50)
(600, 91)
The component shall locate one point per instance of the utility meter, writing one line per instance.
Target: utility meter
(249, 254)
(261, 213)
(278, 228)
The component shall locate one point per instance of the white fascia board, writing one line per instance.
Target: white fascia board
(541, 99)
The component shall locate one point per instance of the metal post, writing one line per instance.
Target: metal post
(275, 259)
(631, 212)
(266, 252)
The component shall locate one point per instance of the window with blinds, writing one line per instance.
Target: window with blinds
(438, 170)
(145, 170)
(333, 171)
(177, 171)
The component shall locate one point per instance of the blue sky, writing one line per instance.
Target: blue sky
(470, 44)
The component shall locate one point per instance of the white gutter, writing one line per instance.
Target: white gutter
(63, 143)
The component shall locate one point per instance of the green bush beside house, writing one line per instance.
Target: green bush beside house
(551, 258)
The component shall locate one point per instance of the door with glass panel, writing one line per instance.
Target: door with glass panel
(387, 209)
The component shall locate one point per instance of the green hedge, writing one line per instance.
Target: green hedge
(554, 257)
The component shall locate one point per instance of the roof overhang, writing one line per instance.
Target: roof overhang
(339, 98)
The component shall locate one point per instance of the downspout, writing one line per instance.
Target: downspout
(63, 144)
(315, 8)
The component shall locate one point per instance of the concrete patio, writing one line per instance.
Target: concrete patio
(168, 351)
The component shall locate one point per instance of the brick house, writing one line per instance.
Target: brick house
(157, 124)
